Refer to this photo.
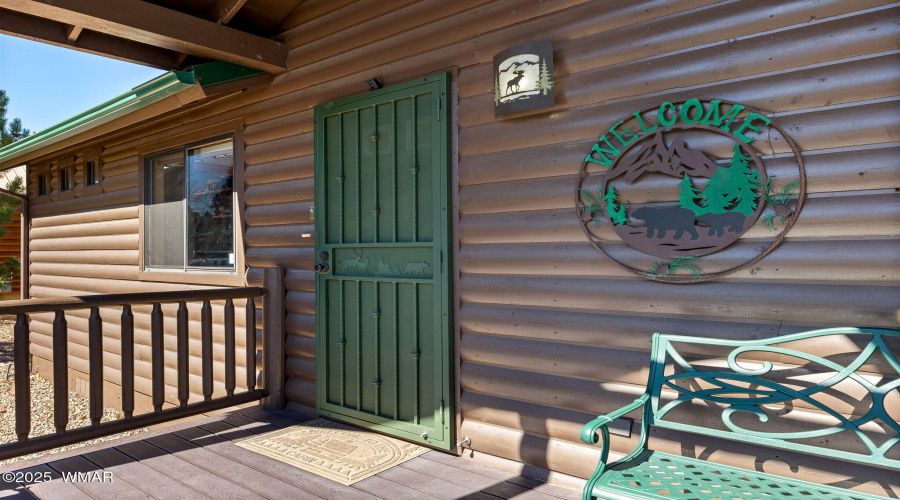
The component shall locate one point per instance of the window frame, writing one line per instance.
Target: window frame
(196, 274)
(42, 185)
(67, 173)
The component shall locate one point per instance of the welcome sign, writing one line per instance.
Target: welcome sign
(679, 182)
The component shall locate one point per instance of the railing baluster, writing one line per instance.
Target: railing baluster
(229, 347)
(127, 361)
(182, 341)
(206, 349)
(250, 346)
(60, 372)
(272, 396)
(95, 346)
(156, 351)
(22, 350)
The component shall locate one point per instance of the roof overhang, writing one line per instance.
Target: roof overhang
(160, 95)
(144, 33)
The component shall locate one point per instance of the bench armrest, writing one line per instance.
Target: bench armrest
(589, 431)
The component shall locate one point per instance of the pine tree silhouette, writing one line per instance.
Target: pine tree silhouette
(746, 182)
(688, 196)
(497, 94)
(615, 211)
(733, 187)
(545, 82)
(716, 195)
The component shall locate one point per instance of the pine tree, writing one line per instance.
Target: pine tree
(497, 94)
(717, 195)
(10, 131)
(689, 195)
(615, 211)
(545, 83)
(745, 182)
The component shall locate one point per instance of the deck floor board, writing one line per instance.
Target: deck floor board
(139, 475)
(201, 480)
(55, 487)
(199, 459)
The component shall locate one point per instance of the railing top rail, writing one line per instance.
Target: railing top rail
(30, 306)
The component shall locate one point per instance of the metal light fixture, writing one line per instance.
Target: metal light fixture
(374, 84)
(523, 78)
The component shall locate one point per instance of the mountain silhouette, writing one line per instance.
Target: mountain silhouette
(517, 65)
(675, 161)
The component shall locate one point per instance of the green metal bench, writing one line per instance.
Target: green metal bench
(749, 400)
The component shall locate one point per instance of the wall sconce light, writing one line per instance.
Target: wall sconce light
(374, 84)
(523, 78)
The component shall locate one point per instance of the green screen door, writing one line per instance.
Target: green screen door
(383, 344)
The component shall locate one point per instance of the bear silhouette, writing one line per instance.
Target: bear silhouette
(660, 220)
(733, 221)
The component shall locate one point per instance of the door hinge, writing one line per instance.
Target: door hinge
(443, 417)
(312, 212)
(438, 110)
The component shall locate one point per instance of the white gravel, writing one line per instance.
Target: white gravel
(42, 406)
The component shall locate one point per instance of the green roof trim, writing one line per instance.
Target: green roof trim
(155, 90)
(217, 72)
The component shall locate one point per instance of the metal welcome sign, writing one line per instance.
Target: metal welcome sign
(681, 192)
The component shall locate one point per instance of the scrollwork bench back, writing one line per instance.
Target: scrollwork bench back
(832, 392)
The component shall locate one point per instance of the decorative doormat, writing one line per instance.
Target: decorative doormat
(332, 450)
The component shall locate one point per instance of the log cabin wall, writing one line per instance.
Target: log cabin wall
(551, 334)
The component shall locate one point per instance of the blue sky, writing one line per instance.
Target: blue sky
(47, 84)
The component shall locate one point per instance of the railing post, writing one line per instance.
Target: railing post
(60, 372)
(206, 354)
(229, 348)
(250, 343)
(156, 352)
(22, 349)
(127, 361)
(182, 346)
(273, 338)
(95, 362)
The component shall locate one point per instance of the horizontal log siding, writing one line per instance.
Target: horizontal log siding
(89, 245)
(532, 291)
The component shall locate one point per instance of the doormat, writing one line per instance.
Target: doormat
(332, 450)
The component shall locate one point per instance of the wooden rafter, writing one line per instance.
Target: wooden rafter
(54, 33)
(224, 10)
(72, 33)
(157, 26)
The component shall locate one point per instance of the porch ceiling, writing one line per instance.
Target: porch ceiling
(166, 34)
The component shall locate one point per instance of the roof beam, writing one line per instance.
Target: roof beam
(72, 33)
(224, 10)
(151, 24)
(54, 33)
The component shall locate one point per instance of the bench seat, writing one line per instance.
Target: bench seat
(785, 392)
(658, 475)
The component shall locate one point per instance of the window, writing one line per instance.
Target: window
(189, 208)
(65, 178)
(43, 183)
(91, 172)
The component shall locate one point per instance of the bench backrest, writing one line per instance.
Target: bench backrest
(792, 392)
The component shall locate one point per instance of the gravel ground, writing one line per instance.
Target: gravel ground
(41, 404)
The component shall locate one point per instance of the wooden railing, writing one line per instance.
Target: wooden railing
(63, 436)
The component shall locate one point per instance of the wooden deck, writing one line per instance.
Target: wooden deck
(199, 459)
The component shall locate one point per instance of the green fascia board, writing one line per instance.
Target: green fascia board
(217, 72)
(155, 90)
